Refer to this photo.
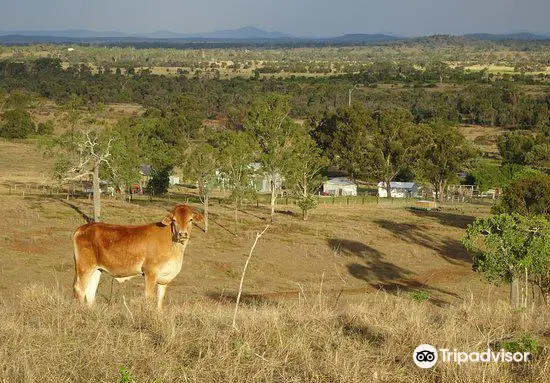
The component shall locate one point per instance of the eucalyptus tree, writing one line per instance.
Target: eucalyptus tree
(508, 248)
(201, 165)
(442, 154)
(237, 150)
(269, 123)
(304, 175)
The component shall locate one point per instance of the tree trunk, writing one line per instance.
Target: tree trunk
(440, 191)
(273, 199)
(206, 197)
(304, 194)
(388, 189)
(96, 193)
(514, 292)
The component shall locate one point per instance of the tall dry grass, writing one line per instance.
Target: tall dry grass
(46, 337)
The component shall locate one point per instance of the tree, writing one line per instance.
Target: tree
(343, 138)
(236, 151)
(484, 175)
(512, 172)
(159, 180)
(126, 157)
(392, 145)
(527, 196)
(201, 165)
(17, 124)
(507, 247)
(445, 152)
(303, 176)
(81, 154)
(269, 123)
(159, 146)
(516, 147)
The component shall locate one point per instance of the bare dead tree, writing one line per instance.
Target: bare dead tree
(91, 153)
(258, 235)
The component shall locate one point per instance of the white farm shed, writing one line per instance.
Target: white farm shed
(398, 189)
(262, 182)
(340, 186)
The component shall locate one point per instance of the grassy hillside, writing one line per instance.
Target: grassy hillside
(46, 337)
(346, 296)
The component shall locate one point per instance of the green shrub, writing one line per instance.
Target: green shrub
(523, 343)
(16, 124)
(44, 128)
(419, 295)
(307, 203)
(125, 376)
(159, 182)
(527, 196)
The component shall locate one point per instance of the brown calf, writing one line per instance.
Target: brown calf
(154, 251)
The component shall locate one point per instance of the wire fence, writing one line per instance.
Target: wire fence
(82, 190)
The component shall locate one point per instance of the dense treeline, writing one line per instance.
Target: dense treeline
(436, 92)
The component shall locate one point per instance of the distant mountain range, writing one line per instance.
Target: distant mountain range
(245, 33)
(238, 36)
(509, 36)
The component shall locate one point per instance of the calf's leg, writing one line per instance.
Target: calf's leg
(150, 285)
(92, 287)
(81, 281)
(161, 290)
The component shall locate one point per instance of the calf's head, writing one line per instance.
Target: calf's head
(181, 220)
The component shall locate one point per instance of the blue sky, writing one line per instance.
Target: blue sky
(297, 17)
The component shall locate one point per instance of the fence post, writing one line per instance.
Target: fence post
(347, 201)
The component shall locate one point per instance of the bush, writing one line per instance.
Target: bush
(419, 295)
(159, 182)
(523, 343)
(306, 203)
(17, 124)
(44, 128)
(526, 196)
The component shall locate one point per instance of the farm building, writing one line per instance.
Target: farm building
(398, 189)
(262, 182)
(340, 186)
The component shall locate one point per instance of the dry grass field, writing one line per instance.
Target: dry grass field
(344, 297)
(485, 137)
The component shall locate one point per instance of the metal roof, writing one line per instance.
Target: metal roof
(341, 181)
(399, 185)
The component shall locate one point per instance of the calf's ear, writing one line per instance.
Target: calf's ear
(167, 220)
(198, 217)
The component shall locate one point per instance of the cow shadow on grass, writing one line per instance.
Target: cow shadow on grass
(373, 268)
(449, 249)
